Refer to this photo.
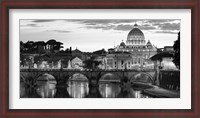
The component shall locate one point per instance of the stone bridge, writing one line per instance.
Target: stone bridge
(30, 76)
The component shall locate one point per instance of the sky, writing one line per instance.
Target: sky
(89, 35)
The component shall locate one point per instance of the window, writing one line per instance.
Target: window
(122, 62)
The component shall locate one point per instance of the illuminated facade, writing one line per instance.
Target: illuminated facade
(132, 54)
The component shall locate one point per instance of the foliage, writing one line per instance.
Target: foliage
(40, 46)
(161, 55)
(91, 64)
(176, 57)
(100, 52)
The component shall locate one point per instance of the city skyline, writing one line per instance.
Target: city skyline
(89, 35)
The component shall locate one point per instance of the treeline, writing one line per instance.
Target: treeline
(41, 46)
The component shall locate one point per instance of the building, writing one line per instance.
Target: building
(164, 58)
(119, 60)
(136, 52)
(76, 63)
(167, 62)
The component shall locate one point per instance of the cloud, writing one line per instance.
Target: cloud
(58, 31)
(102, 27)
(170, 26)
(167, 32)
(111, 27)
(147, 27)
(29, 25)
(125, 21)
(123, 27)
(161, 25)
(93, 22)
(158, 21)
(167, 24)
(103, 21)
(43, 20)
(89, 22)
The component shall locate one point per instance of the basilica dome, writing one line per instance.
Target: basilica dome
(135, 37)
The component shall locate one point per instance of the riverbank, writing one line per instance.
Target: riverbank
(156, 91)
(162, 93)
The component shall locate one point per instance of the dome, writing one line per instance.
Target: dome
(122, 44)
(135, 37)
(135, 32)
(149, 43)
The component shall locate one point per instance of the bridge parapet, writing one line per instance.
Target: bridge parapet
(89, 70)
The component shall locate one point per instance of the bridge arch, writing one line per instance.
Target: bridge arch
(83, 75)
(45, 76)
(143, 77)
(109, 76)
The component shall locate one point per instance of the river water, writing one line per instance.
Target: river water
(80, 89)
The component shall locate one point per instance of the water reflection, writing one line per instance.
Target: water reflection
(78, 89)
(26, 91)
(141, 77)
(137, 94)
(22, 90)
(46, 89)
(109, 90)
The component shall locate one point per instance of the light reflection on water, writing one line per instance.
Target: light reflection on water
(80, 89)
(46, 89)
(136, 94)
(109, 90)
(22, 90)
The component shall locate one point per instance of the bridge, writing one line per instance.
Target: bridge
(30, 76)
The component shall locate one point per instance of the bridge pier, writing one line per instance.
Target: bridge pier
(93, 82)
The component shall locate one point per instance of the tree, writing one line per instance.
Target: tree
(37, 44)
(91, 64)
(58, 46)
(176, 57)
(28, 46)
(52, 44)
(99, 52)
(21, 46)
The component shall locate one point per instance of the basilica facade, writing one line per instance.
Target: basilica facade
(135, 52)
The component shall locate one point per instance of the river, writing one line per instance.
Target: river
(80, 89)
